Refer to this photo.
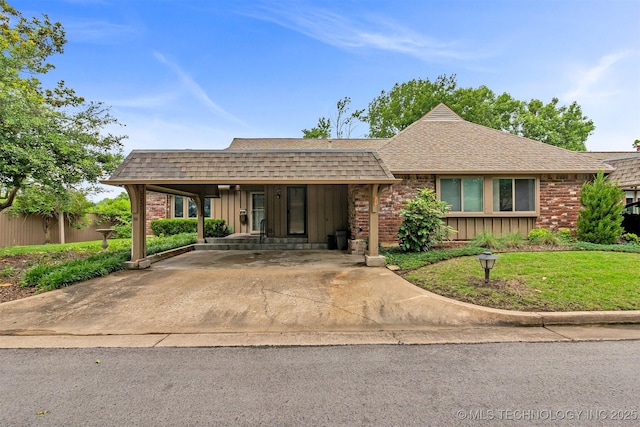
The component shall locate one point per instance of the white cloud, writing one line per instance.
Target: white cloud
(592, 81)
(339, 31)
(196, 91)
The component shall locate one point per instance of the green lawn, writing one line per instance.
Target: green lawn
(540, 281)
(88, 247)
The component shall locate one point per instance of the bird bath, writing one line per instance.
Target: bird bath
(106, 233)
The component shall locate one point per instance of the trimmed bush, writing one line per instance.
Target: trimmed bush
(170, 227)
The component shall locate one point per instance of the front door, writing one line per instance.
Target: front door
(296, 210)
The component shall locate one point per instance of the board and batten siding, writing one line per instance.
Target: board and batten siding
(468, 228)
(327, 211)
(29, 230)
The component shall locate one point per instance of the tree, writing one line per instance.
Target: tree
(117, 211)
(343, 125)
(405, 103)
(48, 136)
(600, 220)
(422, 224)
(636, 144)
(35, 200)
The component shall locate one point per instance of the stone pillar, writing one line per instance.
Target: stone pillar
(138, 195)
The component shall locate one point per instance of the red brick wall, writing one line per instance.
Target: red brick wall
(560, 200)
(391, 202)
(158, 207)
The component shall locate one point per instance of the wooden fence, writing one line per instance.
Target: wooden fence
(29, 230)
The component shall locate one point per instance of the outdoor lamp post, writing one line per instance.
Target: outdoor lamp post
(487, 261)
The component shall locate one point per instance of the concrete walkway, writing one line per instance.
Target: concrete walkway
(210, 298)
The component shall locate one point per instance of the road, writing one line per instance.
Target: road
(586, 383)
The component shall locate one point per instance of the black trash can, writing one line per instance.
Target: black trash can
(332, 242)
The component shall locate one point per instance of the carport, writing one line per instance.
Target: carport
(200, 174)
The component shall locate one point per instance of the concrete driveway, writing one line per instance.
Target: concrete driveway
(243, 291)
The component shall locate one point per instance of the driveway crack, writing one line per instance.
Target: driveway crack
(317, 301)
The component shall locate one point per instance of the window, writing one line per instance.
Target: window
(514, 195)
(185, 207)
(257, 211)
(463, 194)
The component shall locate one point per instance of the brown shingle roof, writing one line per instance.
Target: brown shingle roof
(442, 142)
(304, 144)
(603, 155)
(242, 167)
(627, 173)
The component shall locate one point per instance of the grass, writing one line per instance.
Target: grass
(540, 281)
(92, 246)
(49, 275)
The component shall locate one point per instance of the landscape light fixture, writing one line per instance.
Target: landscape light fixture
(487, 261)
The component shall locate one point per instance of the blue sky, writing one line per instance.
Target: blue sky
(195, 74)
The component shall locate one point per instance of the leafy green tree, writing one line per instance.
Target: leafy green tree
(48, 136)
(117, 211)
(422, 222)
(38, 200)
(343, 125)
(600, 220)
(405, 103)
(636, 144)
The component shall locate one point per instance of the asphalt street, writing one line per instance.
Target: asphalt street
(562, 383)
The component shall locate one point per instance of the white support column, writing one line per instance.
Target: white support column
(138, 196)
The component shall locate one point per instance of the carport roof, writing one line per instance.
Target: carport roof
(162, 167)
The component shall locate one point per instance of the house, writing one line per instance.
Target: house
(309, 188)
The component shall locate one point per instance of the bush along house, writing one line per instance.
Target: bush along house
(307, 191)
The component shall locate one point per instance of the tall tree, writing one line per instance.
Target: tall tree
(392, 111)
(342, 126)
(48, 136)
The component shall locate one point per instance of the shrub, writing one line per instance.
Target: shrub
(542, 236)
(564, 235)
(600, 220)
(486, 239)
(170, 227)
(422, 224)
(630, 238)
(513, 240)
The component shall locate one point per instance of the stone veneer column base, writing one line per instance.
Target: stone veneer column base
(375, 261)
(137, 265)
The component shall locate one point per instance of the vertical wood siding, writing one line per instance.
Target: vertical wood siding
(468, 228)
(28, 230)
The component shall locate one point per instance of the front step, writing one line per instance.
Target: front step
(256, 246)
(251, 242)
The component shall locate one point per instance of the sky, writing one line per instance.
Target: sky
(195, 74)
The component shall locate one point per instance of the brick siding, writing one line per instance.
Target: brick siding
(560, 200)
(158, 207)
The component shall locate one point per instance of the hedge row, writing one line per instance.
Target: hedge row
(170, 227)
(47, 277)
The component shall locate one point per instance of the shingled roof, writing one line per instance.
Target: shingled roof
(251, 167)
(442, 142)
(304, 144)
(627, 173)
